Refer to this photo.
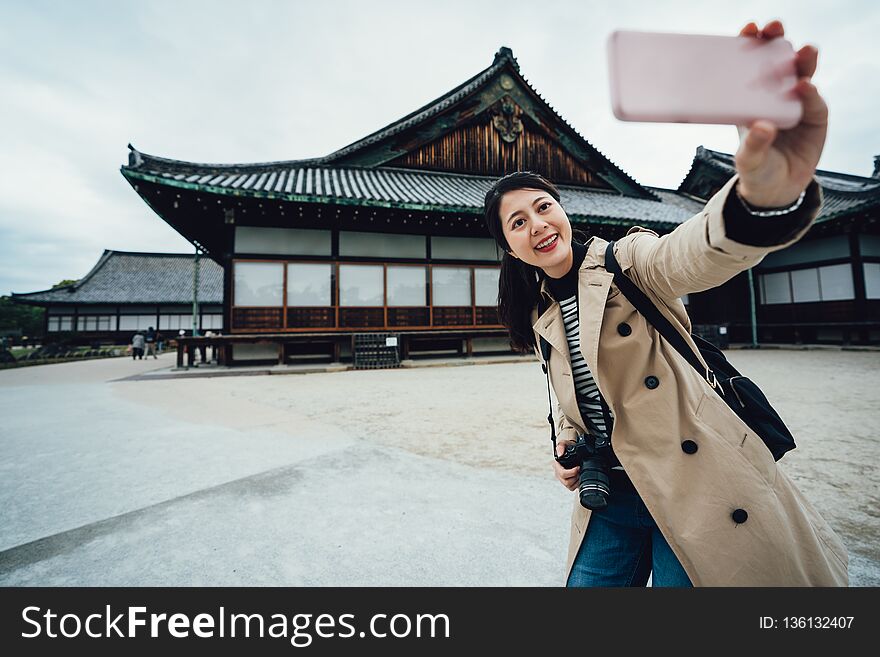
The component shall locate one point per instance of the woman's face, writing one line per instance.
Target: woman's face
(531, 217)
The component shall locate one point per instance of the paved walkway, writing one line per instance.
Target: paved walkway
(113, 475)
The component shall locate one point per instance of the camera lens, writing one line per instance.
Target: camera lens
(594, 483)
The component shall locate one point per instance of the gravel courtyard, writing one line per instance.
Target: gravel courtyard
(419, 476)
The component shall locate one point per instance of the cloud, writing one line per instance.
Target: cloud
(243, 82)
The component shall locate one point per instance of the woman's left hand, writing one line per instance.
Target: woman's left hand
(774, 165)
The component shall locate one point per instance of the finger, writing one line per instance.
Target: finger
(751, 29)
(772, 30)
(753, 149)
(815, 109)
(567, 474)
(570, 484)
(806, 61)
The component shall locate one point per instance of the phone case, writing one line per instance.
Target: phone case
(695, 78)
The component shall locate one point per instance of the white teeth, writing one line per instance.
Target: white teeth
(546, 242)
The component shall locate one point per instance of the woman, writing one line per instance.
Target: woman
(697, 499)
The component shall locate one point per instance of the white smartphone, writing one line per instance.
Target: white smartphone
(696, 78)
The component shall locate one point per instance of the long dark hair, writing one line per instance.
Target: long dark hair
(519, 284)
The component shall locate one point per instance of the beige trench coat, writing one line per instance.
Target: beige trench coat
(783, 541)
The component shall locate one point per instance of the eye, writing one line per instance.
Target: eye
(544, 204)
(516, 221)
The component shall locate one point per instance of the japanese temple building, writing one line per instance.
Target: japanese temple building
(823, 289)
(125, 292)
(387, 233)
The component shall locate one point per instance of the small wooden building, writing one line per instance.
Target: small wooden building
(128, 291)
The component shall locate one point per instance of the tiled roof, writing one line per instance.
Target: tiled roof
(684, 201)
(397, 187)
(276, 177)
(125, 278)
(844, 193)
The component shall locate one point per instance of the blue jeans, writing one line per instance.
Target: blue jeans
(623, 545)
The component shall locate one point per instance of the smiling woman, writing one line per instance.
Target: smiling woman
(524, 207)
(529, 216)
(670, 486)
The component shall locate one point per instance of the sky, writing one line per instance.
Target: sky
(257, 81)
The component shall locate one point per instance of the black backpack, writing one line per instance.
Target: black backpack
(739, 392)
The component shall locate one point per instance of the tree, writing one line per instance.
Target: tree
(66, 281)
(19, 317)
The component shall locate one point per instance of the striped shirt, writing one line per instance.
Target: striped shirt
(586, 391)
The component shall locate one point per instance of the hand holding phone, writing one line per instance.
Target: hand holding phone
(776, 160)
(695, 78)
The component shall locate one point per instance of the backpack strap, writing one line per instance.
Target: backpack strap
(646, 307)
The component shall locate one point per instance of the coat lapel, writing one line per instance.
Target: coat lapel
(551, 328)
(593, 286)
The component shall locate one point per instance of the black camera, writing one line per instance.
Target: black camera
(594, 481)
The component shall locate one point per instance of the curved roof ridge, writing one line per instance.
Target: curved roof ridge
(137, 158)
(502, 57)
(73, 287)
(834, 180)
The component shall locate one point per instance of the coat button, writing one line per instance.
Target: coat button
(652, 382)
(689, 447)
(624, 329)
(740, 516)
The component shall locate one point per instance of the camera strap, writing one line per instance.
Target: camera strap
(545, 358)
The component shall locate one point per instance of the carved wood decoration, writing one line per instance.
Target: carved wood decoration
(505, 119)
(483, 147)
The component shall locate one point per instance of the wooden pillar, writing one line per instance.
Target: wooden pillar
(858, 273)
(470, 347)
(227, 289)
(281, 351)
(337, 351)
(179, 353)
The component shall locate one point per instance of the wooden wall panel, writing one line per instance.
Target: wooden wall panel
(479, 149)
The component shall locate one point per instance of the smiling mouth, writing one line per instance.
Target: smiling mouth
(547, 242)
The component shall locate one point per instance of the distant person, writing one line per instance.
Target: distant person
(137, 346)
(150, 339)
(211, 334)
(160, 341)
